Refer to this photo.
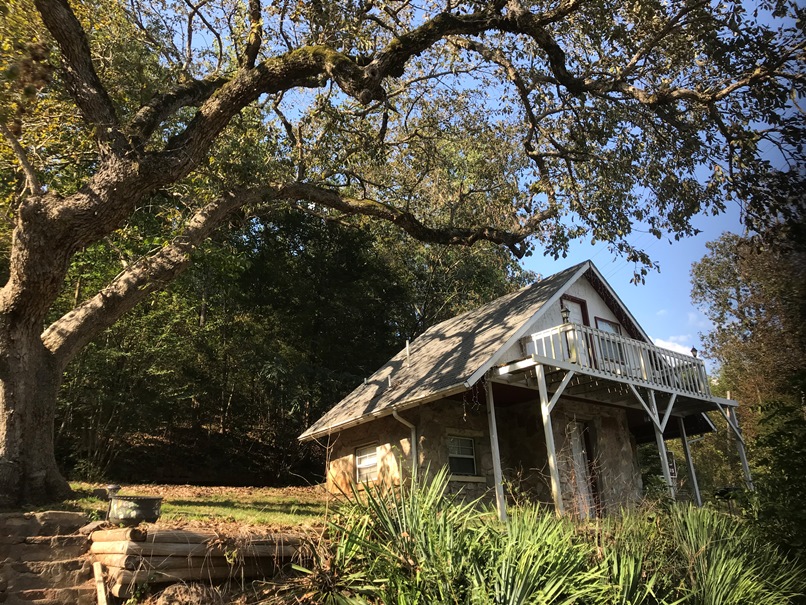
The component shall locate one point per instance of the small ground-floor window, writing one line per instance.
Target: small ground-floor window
(461, 456)
(366, 463)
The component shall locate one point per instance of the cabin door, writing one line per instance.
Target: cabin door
(576, 342)
(582, 480)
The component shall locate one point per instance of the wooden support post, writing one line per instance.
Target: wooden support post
(500, 501)
(100, 586)
(734, 422)
(689, 462)
(545, 411)
(664, 456)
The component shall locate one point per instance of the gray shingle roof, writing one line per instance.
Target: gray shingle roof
(443, 358)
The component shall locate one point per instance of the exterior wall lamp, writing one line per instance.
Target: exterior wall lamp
(565, 312)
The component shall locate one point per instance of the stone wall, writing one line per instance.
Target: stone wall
(448, 418)
(614, 453)
(392, 439)
(435, 422)
(524, 460)
(43, 559)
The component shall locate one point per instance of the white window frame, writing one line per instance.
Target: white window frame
(472, 457)
(364, 470)
(612, 351)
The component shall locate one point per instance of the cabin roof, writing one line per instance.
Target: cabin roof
(453, 355)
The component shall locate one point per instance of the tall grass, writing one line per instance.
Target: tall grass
(418, 545)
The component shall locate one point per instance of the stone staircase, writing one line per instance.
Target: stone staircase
(43, 559)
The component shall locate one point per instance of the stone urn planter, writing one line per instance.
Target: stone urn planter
(133, 510)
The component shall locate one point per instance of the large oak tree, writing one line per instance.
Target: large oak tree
(528, 124)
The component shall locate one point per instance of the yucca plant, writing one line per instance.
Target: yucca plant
(426, 540)
(339, 573)
(640, 558)
(536, 558)
(727, 565)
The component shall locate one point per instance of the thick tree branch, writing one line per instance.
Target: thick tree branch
(67, 335)
(521, 21)
(161, 107)
(31, 180)
(82, 80)
(514, 240)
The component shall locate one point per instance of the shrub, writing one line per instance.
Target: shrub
(415, 544)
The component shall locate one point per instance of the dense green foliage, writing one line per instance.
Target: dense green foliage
(133, 131)
(415, 544)
(754, 292)
(215, 378)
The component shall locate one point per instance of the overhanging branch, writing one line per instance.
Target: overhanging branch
(462, 236)
(82, 80)
(67, 335)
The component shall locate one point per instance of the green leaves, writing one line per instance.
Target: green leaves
(415, 544)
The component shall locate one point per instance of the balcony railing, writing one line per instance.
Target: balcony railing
(612, 355)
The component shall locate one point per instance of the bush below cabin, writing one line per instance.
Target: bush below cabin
(418, 545)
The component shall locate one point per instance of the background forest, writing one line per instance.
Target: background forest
(213, 379)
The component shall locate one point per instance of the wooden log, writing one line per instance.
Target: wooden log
(100, 585)
(189, 550)
(124, 534)
(124, 581)
(176, 536)
(140, 563)
(203, 537)
(130, 562)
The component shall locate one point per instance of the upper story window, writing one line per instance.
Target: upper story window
(611, 349)
(461, 456)
(366, 463)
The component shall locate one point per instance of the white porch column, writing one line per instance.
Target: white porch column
(689, 461)
(551, 450)
(500, 502)
(733, 421)
(664, 456)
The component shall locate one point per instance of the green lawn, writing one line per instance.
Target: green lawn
(277, 508)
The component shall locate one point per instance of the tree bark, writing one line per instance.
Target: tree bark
(29, 383)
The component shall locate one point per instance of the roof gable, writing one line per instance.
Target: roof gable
(448, 357)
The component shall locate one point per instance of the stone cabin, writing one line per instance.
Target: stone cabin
(549, 389)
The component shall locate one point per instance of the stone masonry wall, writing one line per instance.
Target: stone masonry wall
(524, 460)
(43, 560)
(614, 453)
(392, 439)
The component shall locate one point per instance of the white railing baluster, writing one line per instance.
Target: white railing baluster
(626, 358)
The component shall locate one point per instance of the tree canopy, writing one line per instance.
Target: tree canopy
(754, 292)
(136, 129)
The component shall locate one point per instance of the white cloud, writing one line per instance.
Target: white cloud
(662, 312)
(672, 345)
(682, 339)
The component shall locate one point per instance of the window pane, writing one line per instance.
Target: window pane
(462, 466)
(461, 456)
(366, 463)
(458, 446)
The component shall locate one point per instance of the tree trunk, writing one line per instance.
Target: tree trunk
(29, 383)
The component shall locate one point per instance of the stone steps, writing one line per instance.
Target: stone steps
(43, 560)
(76, 595)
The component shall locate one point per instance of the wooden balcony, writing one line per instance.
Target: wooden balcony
(612, 356)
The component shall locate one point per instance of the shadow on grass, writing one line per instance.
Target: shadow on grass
(260, 507)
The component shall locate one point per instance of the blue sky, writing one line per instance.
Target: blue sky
(663, 304)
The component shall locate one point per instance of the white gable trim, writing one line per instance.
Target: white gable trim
(620, 303)
(521, 332)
